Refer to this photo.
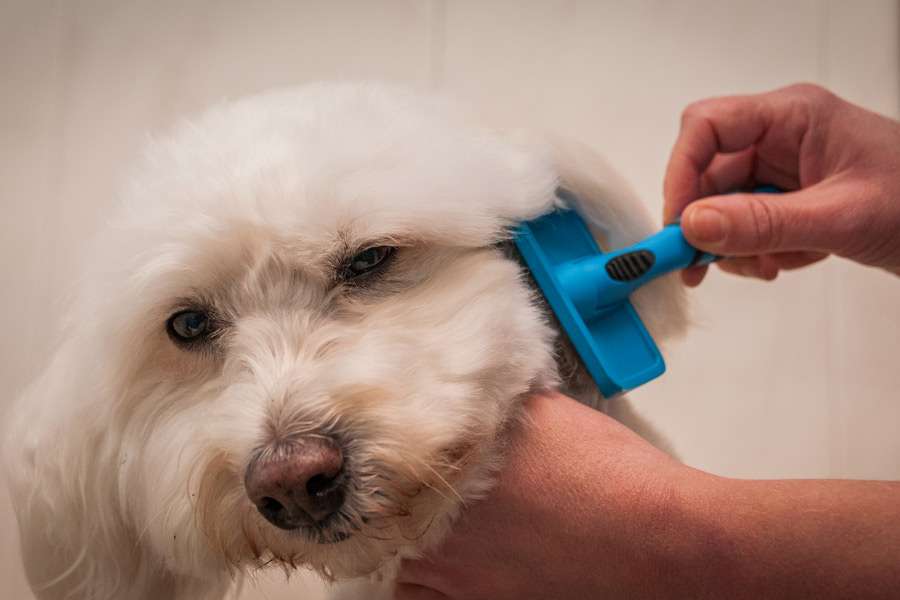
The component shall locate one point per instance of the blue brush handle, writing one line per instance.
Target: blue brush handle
(596, 282)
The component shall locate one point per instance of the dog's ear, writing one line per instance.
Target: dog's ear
(61, 460)
(51, 461)
(617, 219)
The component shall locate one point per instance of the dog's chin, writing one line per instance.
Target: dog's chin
(324, 534)
(333, 529)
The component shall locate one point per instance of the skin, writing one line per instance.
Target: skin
(584, 508)
(587, 509)
(838, 163)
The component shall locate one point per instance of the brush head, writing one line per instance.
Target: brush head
(604, 328)
(589, 290)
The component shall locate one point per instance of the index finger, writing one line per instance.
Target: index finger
(708, 128)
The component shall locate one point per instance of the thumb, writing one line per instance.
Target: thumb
(751, 224)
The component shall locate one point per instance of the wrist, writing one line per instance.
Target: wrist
(694, 550)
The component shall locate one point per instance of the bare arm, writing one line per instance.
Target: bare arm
(809, 538)
(586, 509)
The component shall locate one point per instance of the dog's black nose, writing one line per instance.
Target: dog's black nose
(297, 484)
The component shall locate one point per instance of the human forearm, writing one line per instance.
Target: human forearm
(584, 508)
(798, 538)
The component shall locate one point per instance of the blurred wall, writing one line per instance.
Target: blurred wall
(795, 378)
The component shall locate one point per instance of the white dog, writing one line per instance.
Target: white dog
(299, 344)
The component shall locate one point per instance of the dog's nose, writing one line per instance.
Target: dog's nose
(299, 484)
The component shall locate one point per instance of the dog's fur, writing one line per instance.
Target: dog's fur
(128, 457)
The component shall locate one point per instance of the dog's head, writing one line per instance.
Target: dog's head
(297, 343)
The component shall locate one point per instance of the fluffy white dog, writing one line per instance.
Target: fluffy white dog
(299, 344)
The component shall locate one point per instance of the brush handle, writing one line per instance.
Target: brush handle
(596, 282)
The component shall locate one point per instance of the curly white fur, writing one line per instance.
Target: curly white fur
(127, 457)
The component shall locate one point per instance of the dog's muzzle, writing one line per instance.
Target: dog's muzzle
(298, 484)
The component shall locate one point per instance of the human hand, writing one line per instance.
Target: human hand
(838, 164)
(583, 508)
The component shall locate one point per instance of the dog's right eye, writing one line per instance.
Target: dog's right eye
(370, 260)
(189, 326)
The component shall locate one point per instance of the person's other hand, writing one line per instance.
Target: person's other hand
(838, 164)
(583, 508)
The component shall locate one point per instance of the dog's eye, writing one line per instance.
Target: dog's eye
(369, 259)
(189, 325)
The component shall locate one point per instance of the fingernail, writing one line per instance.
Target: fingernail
(708, 224)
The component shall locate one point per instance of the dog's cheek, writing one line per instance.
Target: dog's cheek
(453, 358)
(498, 339)
(180, 479)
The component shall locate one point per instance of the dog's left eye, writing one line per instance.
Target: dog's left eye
(369, 260)
(189, 325)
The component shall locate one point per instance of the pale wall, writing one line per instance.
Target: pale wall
(795, 378)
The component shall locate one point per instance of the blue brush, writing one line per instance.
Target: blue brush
(588, 291)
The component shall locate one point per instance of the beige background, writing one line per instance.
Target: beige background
(795, 378)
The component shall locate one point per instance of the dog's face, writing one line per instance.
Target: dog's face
(310, 338)
(297, 344)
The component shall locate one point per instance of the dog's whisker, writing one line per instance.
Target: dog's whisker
(446, 485)
(159, 513)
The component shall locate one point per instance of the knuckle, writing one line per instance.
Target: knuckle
(766, 224)
(804, 88)
(696, 110)
(810, 94)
